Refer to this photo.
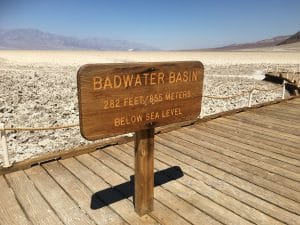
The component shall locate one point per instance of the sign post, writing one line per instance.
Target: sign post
(144, 171)
(137, 97)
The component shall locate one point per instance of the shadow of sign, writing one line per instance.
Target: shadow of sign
(126, 190)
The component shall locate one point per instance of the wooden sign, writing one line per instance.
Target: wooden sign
(137, 97)
(128, 97)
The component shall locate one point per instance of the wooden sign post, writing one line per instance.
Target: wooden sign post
(137, 97)
(144, 171)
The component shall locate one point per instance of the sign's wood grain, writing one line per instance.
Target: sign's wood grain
(122, 98)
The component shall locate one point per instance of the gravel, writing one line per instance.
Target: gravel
(46, 95)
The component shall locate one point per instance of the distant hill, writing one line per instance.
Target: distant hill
(259, 44)
(33, 39)
(292, 39)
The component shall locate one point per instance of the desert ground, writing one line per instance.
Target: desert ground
(39, 88)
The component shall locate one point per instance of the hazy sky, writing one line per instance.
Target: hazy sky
(160, 23)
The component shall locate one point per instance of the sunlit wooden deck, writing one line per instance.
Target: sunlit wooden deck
(238, 169)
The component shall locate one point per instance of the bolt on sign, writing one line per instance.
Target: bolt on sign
(137, 97)
(121, 98)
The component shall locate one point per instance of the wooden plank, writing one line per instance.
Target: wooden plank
(270, 115)
(291, 107)
(284, 117)
(164, 196)
(238, 140)
(206, 190)
(10, 211)
(215, 210)
(89, 171)
(255, 143)
(289, 139)
(235, 160)
(218, 179)
(161, 213)
(267, 124)
(265, 147)
(294, 106)
(143, 171)
(260, 113)
(270, 139)
(31, 201)
(285, 113)
(82, 195)
(278, 136)
(280, 123)
(295, 102)
(67, 210)
(180, 206)
(262, 155)
(267, 134)
(232, 166)
(119, 98)
(237, 179)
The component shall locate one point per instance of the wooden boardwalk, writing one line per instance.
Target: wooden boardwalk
(238, 169)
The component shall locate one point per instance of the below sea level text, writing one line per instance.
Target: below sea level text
(151, 116)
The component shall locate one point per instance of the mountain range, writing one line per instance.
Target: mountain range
(292, 39)
(33, 39)
(271, 42)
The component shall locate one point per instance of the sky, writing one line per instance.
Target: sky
(164, 24)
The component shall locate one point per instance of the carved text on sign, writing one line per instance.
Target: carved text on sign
(125, 81)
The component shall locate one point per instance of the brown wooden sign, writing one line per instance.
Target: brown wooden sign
(123, 98)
